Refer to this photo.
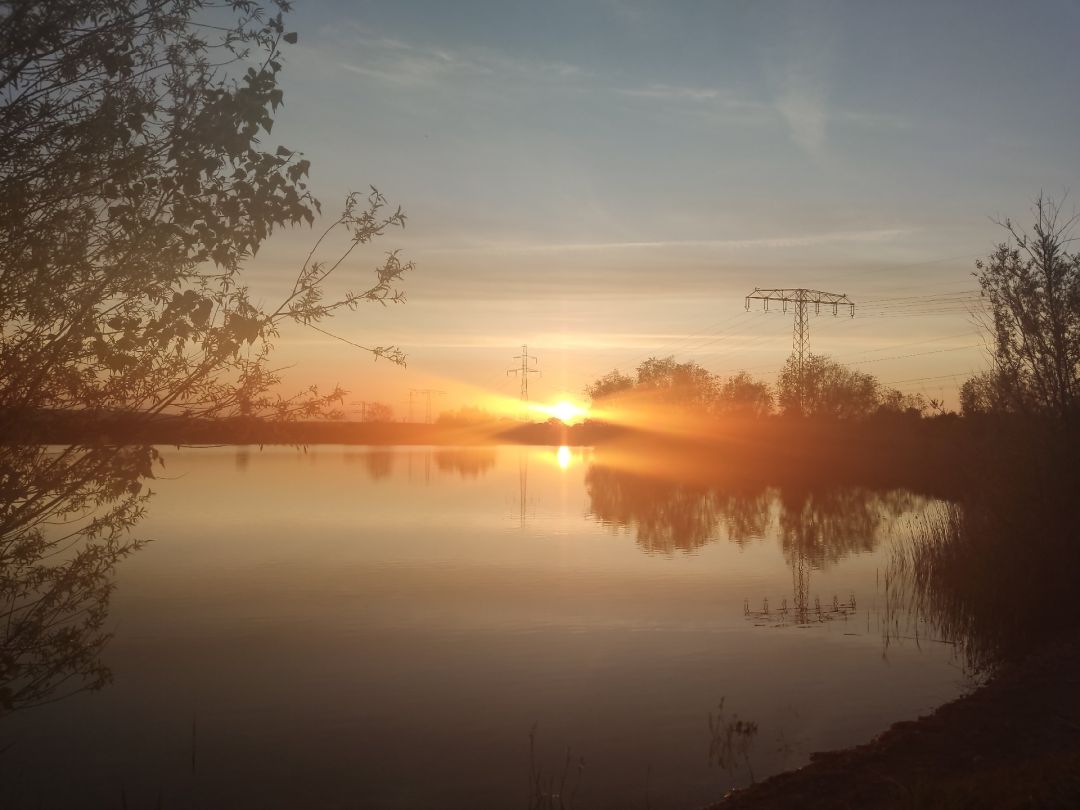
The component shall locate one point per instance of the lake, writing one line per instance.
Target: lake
(479, 627)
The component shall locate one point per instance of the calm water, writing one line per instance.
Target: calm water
(384, 628)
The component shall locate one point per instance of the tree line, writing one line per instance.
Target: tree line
(826, 389)
(1031, 281)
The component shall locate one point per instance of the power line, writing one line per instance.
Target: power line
(524, 370)
(427, 393)
(801, 298)
(718, 328)
(913, 354)
(939, 377)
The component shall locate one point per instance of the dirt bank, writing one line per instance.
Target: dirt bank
(1013, 743)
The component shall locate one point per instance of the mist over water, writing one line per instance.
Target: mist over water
(385, 627)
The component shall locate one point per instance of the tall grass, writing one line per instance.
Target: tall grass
(997, 570)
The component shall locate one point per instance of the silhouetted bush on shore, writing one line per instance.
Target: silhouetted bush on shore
(997, 569)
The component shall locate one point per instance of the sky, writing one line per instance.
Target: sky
(606, 180)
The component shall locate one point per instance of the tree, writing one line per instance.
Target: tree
(831, 390)
(613, 382)
(65, 518)
(662, 384)
(678, 383)
(135, 185)
(742, 394)
(894, 402)
(1032, 283)
(378, 412)
(983, 394)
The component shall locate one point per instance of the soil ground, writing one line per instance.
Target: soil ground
(1013, 743)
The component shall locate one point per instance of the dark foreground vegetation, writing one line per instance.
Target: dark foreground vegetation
(995, 572)
(1011, 744)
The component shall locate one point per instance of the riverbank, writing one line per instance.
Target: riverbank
(1012, 743)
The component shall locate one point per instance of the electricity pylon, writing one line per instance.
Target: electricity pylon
(427, 392)
(523, 371)
(800, 342)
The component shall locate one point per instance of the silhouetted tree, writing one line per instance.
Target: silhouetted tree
(742, 394)
(679, 383)
(663, 381)
(378, 412)
(65, 518)
(134, 187)
(831, 390)
(982, 394)
(894, 402)
(1033, 286)
(611, 383)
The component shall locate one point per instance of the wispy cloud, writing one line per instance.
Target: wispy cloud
(722, 97)
(802, 78)
(393, 61)
(799, 101)
(770, 242)
(803, 108)
(626, 11)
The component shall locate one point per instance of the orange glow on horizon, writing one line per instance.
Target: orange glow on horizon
(565, 411)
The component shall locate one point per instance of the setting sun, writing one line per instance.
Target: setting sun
(564, 411)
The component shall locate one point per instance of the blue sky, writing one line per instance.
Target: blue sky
(606, 179)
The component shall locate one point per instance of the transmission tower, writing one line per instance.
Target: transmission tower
(524, 370)
(801, 298)
(427, 393)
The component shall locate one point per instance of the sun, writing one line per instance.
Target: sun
(565, 411)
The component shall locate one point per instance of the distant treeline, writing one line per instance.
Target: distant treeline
(884, 450)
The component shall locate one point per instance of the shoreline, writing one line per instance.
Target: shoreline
(1012, 742)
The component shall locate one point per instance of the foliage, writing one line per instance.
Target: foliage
(992, 569)
(688, 385)
(64, 520)
(983, 394)
(378, 412)
(1033, 285)
(831, 390)
(135, 186)
(614, 382)
(678, 383)
(894, 402)
(742, 394)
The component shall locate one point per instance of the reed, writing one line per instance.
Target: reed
(995, 570)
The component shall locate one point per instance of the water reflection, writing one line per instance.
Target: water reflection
(418, 580)
(679, 509)
(467, 462)
(65, 522)
(379, 463)
(563, 457)
(666, 516)
(816, 526)
(826, 524)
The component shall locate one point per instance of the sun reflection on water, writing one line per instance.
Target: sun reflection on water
(562, 456)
